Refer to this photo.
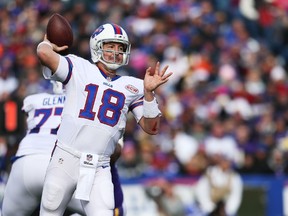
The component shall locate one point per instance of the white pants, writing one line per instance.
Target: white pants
(61, 181)
(24, 187)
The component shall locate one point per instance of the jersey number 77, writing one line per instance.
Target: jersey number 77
(46, 114)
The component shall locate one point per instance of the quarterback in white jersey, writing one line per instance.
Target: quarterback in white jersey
(26, 179)
(94, 118)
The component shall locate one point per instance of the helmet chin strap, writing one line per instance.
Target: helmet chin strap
(110, 66)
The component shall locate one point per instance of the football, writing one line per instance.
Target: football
(59, 32)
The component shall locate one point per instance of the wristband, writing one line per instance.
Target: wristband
(150, 109)
(45, 42)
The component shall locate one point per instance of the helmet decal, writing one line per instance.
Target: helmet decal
(117, 29)
(97, 31)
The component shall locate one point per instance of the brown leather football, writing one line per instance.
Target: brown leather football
(59, 32)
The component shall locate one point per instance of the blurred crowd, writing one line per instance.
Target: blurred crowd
(227, 97)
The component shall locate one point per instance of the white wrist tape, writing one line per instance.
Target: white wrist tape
(150, 109)
(45, 42)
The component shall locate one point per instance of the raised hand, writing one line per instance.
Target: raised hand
(153, 79)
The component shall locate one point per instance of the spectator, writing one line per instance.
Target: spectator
(8, 81)
(168, 202)
(130, 165)
(234, 57)
(218, 143)
(188, 153)
(219, 190)
(278, 162)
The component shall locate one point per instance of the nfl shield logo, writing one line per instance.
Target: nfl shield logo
(89, 157)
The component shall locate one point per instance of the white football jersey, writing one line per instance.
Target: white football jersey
(43, 119)
(96, 107)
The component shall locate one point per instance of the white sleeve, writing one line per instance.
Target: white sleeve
(136, 107)
(202, 192)
(62, 72)
(138, 113)
(233, 201)
(27, 105)
(47, 73)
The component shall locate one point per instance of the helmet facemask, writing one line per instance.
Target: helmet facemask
(113, 65)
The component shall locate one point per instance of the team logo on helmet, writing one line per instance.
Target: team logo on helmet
(97, 31)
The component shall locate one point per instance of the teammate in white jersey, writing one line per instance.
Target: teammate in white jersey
(25, 183)
(94, 118)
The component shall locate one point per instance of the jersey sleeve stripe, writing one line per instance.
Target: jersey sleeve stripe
(140, 103)
(70, 65)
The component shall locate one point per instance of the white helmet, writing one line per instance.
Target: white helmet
(58, 87)
(109, 33)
